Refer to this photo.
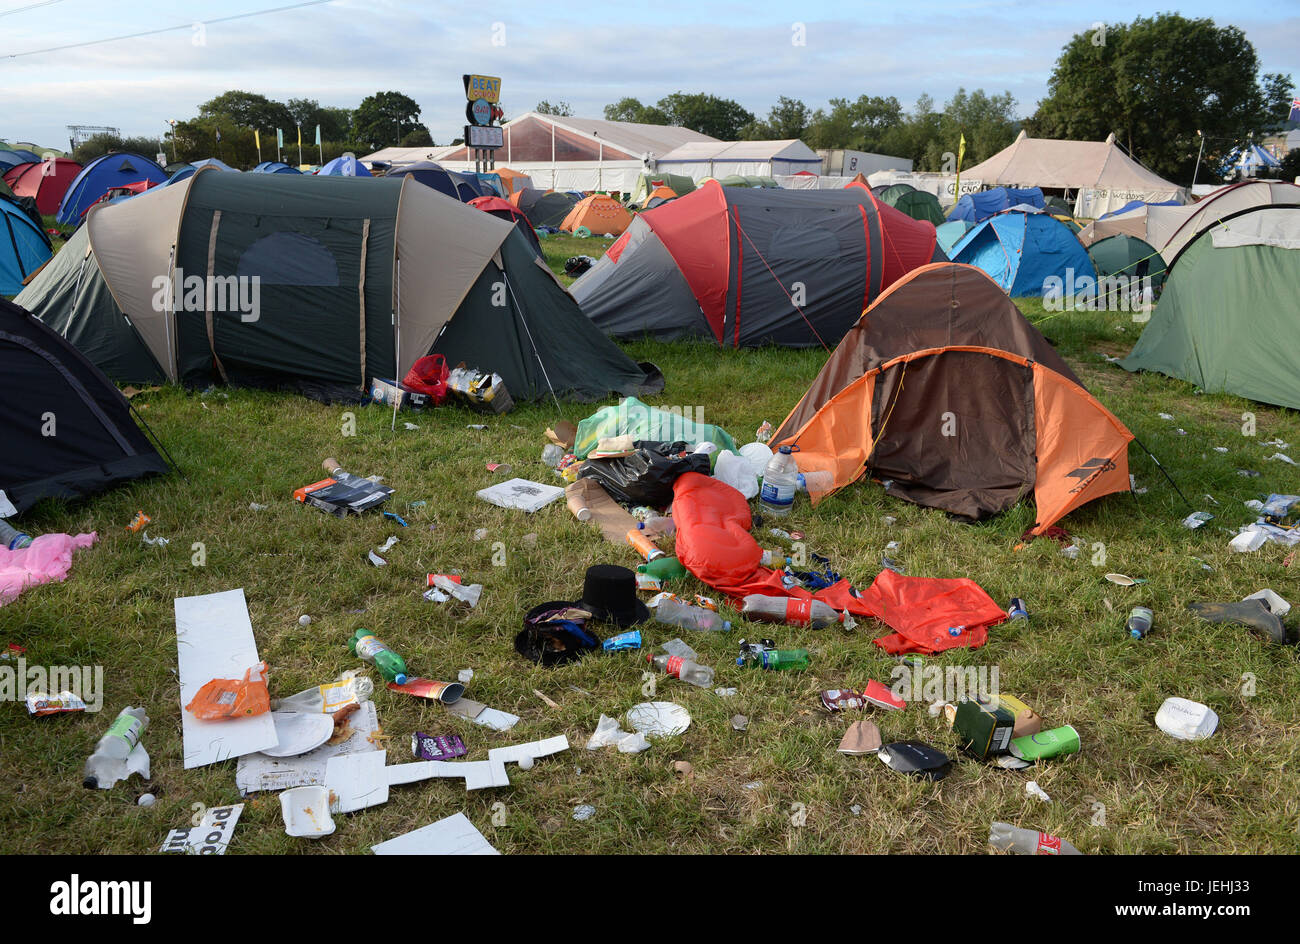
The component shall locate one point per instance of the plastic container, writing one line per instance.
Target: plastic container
(701, 676)
(1007, 838)
(776, 559)
(1016, 609)
(1139, 622)
(690, 617)
(663, 568)
(644, 546)
(780, 481)
(788, 610)
(106, 764)
(12, 538)
(367, 647)
(773, 660)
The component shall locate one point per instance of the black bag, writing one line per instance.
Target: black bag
(646, 476)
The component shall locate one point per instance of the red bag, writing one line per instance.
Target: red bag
(429, 376)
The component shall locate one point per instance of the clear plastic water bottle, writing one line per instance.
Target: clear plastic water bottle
(106, 763)
(1007, 838)
(12, 538)
(780, 481)
(367, 647)
(690, 617)
(701, 676)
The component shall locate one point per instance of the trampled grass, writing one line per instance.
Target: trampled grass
(780, 785)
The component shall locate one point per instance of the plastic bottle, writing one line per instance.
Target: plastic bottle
(1016, 609)
(367, 647)
(12, 538)
(776, 559)
(762, 656)
(658, 525)
(690, 617)
(701, 676)
(788, 610)
(779, 483)
(663, 568)
(106, 763)
(644, 546)
(1007, 838)
(1139, 622)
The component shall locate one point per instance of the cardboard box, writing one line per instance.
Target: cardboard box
(984, 728)
(385, 391)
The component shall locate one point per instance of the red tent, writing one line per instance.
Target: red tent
(45, 182)
(505, 210)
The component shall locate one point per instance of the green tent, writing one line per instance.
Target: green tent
(918, 204)
(646, 184)
(319, 284)
(1227, 318)
(1124, 255)
(748, 180)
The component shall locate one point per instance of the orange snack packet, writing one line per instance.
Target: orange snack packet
(233, 698)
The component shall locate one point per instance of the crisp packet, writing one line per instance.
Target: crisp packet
(226, 698)
(628, 640)
(839, 699)
(40, 704)
(437, 746)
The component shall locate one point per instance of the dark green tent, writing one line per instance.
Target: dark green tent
(322, 283)
(1124, 255)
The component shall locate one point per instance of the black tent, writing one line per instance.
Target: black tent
(544, 207)
(67, 431)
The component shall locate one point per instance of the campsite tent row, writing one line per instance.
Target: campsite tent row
(44, 181)
(281, 279)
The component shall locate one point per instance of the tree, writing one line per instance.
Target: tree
(101, 144)
(559, 109)
(630, 109)
(857, 125)
(335, 123)
(384, 118)
(1155, 83)
(788, 118)
(247, 110)
(420, 137)
(717, 117)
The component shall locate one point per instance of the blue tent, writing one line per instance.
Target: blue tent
(102, 175)
(1250, 160)
(462, 187)
(18, 156)
(978, 207)
(344, 167)
(189, 169)
(952, 232)
(274, 167)
(1020, 251)
(24, 247)
(1134, 204)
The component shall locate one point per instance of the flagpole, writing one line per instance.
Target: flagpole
(300, 144)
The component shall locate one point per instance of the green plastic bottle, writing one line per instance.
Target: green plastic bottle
(366, 646)
(775, 660)
(663, 568)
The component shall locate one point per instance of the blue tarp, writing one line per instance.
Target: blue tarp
(102, 175)
(24, 247)
(1134, 204)
(1020, 251)
(978, 207)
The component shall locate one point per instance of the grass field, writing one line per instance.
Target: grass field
(780, 786)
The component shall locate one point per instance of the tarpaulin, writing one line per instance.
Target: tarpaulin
(928, 615)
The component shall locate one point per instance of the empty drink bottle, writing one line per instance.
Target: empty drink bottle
(1139, 622)
(780, 480)
(1007, 838)
(663, 568)
(13, 538)
(690, 617)
(791, 611)
(107, 763)
(765, 655)
(367, 647)
(701, 676)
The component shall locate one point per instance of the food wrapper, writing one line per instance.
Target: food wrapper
(40, 704)
(233, 698)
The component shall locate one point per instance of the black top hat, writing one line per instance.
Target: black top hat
(609, 594)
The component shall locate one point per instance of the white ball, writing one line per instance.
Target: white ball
(525, 763)
(146, 799)
(304, 620)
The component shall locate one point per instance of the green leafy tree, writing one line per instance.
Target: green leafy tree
(335, 123)
(720, 118)
(859, 125)
(1155, 83)
(630, 109)
(788, 118)
(384, 119)
(249, 110)
(559, 109)
(101, 144)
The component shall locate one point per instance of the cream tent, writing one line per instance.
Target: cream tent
(741, 158)
(1169, 228)
(1105, 177)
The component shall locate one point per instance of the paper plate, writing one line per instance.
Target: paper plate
(306, 811)
(1124, 580)
(658, 718)
(299, 732)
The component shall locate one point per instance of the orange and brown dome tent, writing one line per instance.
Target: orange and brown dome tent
(945, 392)
(600, 214)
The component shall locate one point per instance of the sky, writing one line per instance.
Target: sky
(340, 51)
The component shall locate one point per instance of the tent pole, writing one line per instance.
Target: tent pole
(397, 341)
(1196, 170)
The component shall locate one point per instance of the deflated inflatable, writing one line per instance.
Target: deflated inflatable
(928, 615)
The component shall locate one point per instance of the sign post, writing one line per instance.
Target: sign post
(483, 137)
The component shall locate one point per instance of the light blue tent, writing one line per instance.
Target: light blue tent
(977, 207)
(1020, 251)
(950, 233)
(344, 167)
(274, 167)
(1250, 160)
(100, 176)
(189, 169)
(24, 247)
